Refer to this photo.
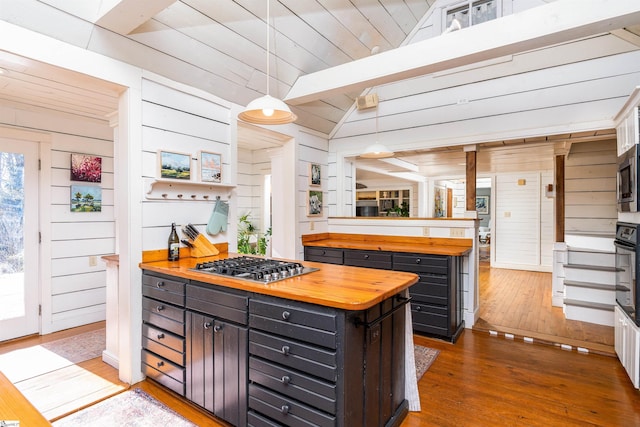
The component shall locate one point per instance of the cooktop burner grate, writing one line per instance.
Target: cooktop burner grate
(255, 269)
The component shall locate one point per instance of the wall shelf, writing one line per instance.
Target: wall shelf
(171, 189)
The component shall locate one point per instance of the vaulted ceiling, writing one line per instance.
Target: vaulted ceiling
(220, 46)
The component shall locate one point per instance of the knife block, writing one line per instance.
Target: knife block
(202, 247)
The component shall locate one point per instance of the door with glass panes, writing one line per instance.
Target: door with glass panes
(19, 302)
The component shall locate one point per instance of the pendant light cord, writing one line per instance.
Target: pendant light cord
(268, 1)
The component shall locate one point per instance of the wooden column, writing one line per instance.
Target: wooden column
(471, 181)
(559, 183)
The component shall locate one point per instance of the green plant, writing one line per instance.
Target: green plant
(249, 242)
(402, 210)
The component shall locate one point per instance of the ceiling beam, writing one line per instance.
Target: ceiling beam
(124, 16)
(401, 164)
(402, 175)
(535, 28)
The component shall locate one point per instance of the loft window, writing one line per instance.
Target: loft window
(472, 13)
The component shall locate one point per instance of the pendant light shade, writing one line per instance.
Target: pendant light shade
(376, 151)
(267, 110)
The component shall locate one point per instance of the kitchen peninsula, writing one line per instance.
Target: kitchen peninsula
(322, 348)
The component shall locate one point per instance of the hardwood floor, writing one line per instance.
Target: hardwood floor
(485, 380)
(519, 303)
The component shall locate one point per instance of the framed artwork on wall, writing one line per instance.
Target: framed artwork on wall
(210, 167)
(173, 165)
(482, 205)
(314, 174)
(314, 203)
(86, 198)
(85, 167)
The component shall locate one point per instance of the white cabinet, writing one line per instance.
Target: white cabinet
(627, 344)
(627, 123)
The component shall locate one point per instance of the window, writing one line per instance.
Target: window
(472, 13)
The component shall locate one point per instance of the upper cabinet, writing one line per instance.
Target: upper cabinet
(627, 122)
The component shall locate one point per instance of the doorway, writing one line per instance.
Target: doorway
(19, 260)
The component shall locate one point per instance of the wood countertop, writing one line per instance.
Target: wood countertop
(407, 244)
(347, 288)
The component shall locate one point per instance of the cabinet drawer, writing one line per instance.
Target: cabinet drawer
(163, 343)
(163, 379)
(418, 263)
(220, 304)
(163, 289)
(256, 420)
(308, 390)
(311, 360)
(294, 321)
(327, 255)
(163, 316)
(434, 290)
(430, 315)
(285, 410)
(162, 365)
(370, 259)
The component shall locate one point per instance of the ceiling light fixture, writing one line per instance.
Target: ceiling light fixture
(377, 150)
(267, 110)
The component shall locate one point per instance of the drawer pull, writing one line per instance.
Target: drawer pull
(418, 308)
(160, 336)
(418, 260)
(159, 284)
(286, 380)
(285, 409)
(207, 325)
(217, 328)
(160, 308)
(286, 315)
(366, 256)
(285, 350)
(160, 364)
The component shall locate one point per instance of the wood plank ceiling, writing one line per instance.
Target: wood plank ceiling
(220, 47)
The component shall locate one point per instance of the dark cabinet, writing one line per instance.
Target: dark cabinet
(163, 330)
(216, 353)
(311, 365)
(436, 306)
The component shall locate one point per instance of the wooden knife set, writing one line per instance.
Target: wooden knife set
(200, 246)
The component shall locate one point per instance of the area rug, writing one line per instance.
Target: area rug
(132, 408)
(424, 358)
(25, 363)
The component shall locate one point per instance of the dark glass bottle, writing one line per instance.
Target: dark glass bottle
(174, 244)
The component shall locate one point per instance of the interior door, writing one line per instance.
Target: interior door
(19, 299)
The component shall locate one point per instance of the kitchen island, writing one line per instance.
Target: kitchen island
(322, 348)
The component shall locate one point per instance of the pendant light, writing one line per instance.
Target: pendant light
(376, 150)
(267, 110)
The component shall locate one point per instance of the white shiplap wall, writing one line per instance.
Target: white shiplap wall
(590, 188)
(180, 121)
(252, 168)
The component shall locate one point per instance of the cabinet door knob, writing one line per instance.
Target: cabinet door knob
(286, 315)
(418, 308)
(160, 364)
(286, 380)
(285, 350)
(217, 328)
(160, 336)
(207, 325)
(285, 409)
(160, 308)
(159, 284)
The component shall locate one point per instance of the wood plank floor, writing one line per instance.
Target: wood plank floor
(519, 303)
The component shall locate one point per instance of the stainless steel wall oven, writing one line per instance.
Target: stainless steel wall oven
(627, 178)
(627, 283)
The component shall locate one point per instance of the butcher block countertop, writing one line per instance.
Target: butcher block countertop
(348, 288)
(407, 244)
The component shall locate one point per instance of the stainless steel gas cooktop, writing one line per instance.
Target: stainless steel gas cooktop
(254, 269)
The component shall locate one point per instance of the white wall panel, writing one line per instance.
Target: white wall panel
(78, 282)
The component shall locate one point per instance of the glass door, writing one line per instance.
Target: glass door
(19, 305)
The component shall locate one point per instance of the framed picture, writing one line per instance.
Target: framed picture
(482, 205)
(314, 174)
(314, 203)
(86, 168)
(172, 165)
(86, 198)
(210, 167)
